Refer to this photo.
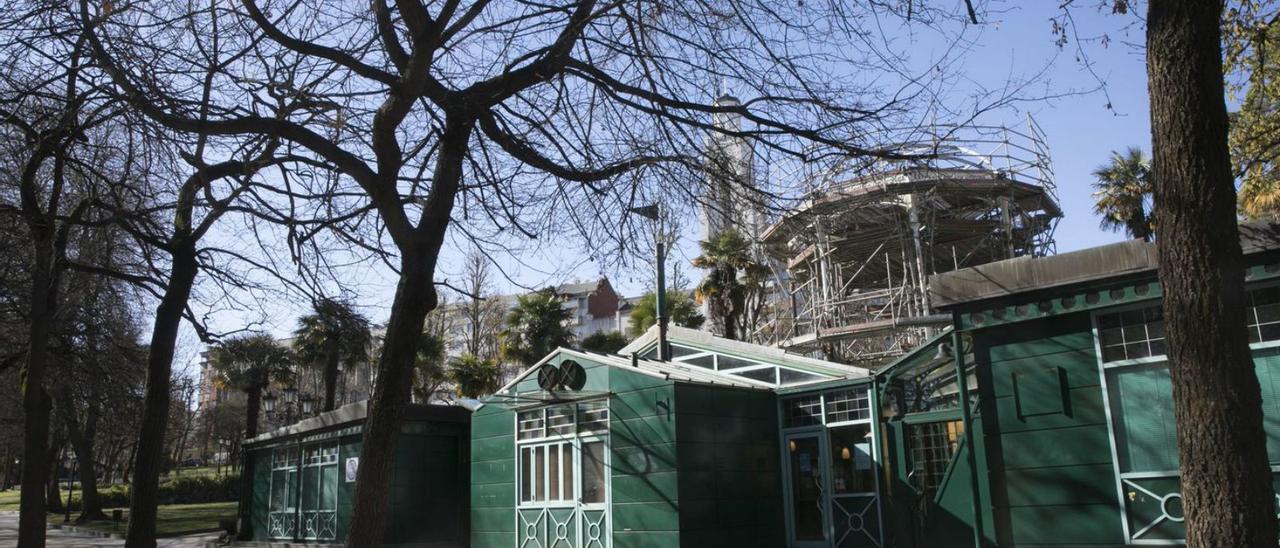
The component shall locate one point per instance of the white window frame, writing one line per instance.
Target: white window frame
(574, 442)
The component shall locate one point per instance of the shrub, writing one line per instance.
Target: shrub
(182, 490)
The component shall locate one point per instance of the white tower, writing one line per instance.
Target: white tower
(731, 198)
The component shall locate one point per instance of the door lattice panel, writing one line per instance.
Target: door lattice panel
(857, 521)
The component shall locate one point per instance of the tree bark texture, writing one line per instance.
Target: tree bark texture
(1226, 480)
(36, 404)
(81, 439)
(149, 451)
(415, 297)
(52, 491)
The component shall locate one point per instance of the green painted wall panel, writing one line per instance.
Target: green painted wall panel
(498, 470)
(483, 539)
(642, 432)
(646, 539)
(261, 493)
(494, 444)
(1092, 484)
(1051, 479)
(643, 460)
(1085, 408)
(493, 476)
(1038, 338)
(654, 487)
(492, 495)
(640, 403)
(645, 516)
(1076, 523)
(1080, 367)
(730, 487)
(488, 520)
(347, 447)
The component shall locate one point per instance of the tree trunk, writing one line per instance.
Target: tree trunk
(8, 469)
(52, 491)
(35, 401)
(330, 373)
(82, 444)
(414, 299)
(1226, 481)
(252, 407)
(155, 411)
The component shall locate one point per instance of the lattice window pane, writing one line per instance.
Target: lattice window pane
(531, 424)
(560, 420)
(933, 445)
(848, 405)
(1131, 334)
(1264, 314)
(803, 411)
(593, 417)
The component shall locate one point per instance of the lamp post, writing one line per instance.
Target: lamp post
(654, 213)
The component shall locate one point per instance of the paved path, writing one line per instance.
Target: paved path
(63, 539)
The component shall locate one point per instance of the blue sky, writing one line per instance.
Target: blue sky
(1016, 43)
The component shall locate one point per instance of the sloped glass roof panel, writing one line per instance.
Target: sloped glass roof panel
(788, 377)
(730, 362)
(768, 374)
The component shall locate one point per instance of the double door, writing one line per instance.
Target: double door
(563, 494)
(832, 490)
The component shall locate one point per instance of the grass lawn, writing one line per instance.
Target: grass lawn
(175, 518)
(9, 500)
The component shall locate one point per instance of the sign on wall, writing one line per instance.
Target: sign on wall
(351, 468)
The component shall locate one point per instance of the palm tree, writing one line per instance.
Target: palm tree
(1122, 194)
(1260, 197)
(733, 285)
(473, 376)
(429, 365)
(538, 324)
(334, 332)
(680, 308)
(249, 364)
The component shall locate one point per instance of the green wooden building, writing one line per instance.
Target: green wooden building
(1042, 417)
(300, 479)
(640, 452)
(1069, 436)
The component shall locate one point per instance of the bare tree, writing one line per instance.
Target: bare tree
(482, 308)
(1222, 448)
(506, 120)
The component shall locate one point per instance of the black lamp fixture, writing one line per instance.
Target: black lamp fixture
(269, 402)
(290, 394)
(308, 404)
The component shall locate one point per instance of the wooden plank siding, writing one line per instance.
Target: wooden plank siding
(643, 459)
(493, 478)
(1046, 444)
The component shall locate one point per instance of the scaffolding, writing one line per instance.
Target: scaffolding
(854, 258)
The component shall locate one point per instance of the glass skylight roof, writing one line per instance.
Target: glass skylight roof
(738, 366)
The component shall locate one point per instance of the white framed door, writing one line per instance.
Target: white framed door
(806, 489)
